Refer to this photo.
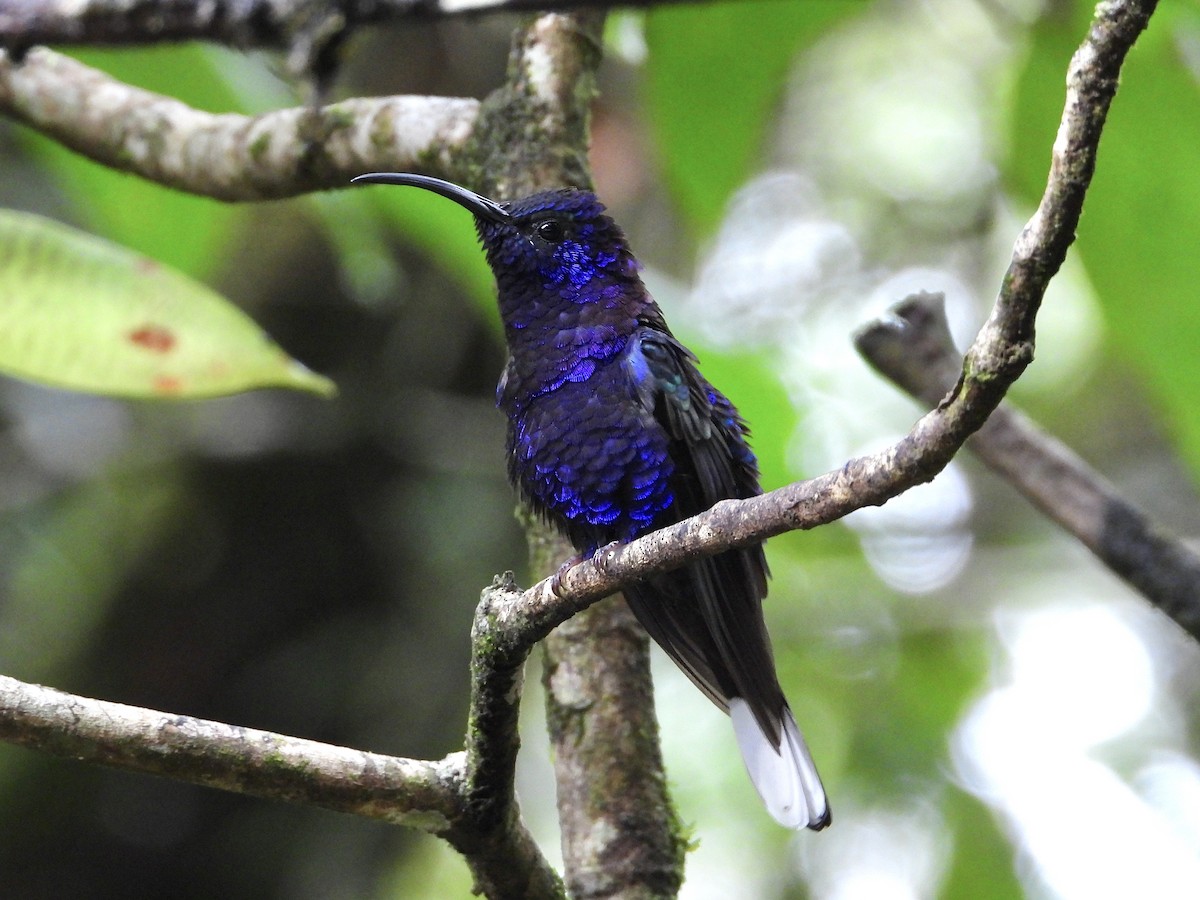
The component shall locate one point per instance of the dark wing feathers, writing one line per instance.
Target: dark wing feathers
(707, 615)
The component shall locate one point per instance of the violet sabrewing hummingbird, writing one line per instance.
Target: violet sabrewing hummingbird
(613, 433)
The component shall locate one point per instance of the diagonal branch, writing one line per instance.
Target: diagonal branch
(912, 347)
(996, 358)
(228, 156)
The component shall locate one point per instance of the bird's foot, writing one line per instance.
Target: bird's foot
(556, 586)
(603, 556)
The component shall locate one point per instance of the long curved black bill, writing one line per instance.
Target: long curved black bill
(479, 205)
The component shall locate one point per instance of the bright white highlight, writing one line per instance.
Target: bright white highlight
(919, 541)
(457, 6)
(878, 854)
(776, 256)
(1080, 676)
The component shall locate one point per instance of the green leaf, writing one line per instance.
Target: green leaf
(81, 313)
(713, 79)
(1140, 227)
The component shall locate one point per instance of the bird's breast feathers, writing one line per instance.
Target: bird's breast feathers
(586, 456)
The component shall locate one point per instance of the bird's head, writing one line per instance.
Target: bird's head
(560, 241)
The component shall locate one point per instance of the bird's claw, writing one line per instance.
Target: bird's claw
(556, 585)
(603, 557)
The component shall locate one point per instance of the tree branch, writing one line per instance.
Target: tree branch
(619, 833)
(503, 856)
(912, 348)
(435, 797)
(271, 24)
(996, 358)
(423, 795)
(227, 156)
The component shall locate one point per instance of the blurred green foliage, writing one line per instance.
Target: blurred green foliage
(736, 57)
(1141, 218)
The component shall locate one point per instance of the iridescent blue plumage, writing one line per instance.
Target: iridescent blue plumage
(613, 432)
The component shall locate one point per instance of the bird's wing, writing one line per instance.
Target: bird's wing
(707, 615)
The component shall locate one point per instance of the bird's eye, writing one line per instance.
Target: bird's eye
(550, 230)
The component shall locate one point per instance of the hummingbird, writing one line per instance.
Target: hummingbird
(613, 433)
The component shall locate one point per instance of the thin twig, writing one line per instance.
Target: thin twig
(996, 358)
(912, 347)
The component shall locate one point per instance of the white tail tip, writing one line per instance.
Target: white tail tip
(786, 778)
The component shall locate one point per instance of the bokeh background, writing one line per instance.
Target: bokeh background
(994, 714)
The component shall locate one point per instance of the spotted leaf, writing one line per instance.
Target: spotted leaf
(82, 313)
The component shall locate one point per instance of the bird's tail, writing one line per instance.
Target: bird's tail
(786, 778)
